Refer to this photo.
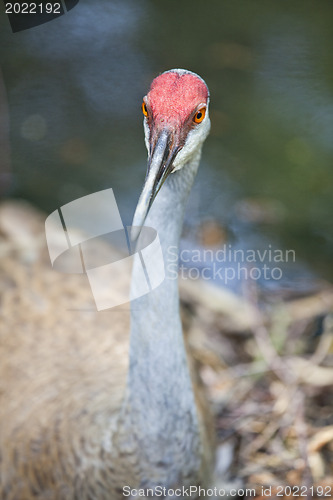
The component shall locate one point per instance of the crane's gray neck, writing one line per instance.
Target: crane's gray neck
(159, 395)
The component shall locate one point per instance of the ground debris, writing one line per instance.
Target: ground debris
(271, 386)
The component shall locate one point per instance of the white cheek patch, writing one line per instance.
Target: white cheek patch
(147, 133)
(194, 141)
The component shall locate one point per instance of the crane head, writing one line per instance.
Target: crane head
(176, 123)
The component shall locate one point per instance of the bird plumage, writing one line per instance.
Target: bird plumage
(85, 408)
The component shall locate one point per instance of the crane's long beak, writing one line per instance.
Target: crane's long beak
(159, 167)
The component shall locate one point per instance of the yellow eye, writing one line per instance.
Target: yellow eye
(199, 115)
(144, 109)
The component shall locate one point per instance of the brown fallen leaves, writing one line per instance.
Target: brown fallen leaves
(271, 386)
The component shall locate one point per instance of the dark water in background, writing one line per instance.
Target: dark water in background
(75, 86)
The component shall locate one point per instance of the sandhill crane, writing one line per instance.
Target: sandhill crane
(80, 417)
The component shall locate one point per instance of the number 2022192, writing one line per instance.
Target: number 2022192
(33, 8)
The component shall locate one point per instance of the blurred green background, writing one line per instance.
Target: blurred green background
(75, 85)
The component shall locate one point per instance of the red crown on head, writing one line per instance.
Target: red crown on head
(174, 95)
